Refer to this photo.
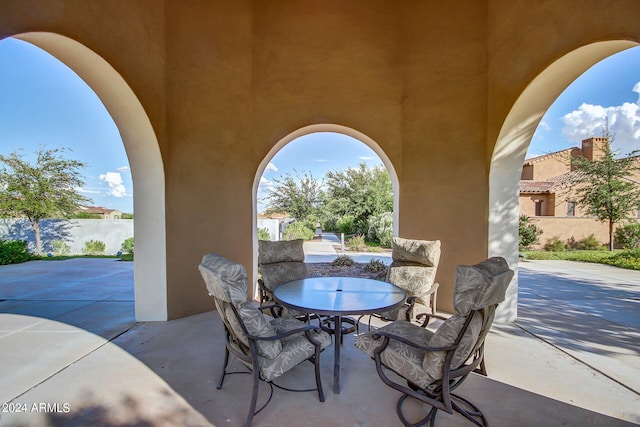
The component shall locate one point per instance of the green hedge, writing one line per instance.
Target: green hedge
(14, 252)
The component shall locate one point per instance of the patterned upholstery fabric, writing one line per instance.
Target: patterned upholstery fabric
(414, 267)
(281, 262)
(423, 252)
(476, 287)
(282, 251)
(257, 325)
(295, 349)
(282, 272)
(226, 281)
(405, 360)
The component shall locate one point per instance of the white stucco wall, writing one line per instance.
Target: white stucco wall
(74, 233)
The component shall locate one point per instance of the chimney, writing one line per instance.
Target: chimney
(594, 148)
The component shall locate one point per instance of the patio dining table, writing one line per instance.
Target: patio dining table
(339, 296)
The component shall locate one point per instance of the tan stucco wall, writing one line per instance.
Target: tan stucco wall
(223, 81)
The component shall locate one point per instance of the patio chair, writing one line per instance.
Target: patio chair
(413, 268)
(434, 364)
(278, 263)
(269, 348)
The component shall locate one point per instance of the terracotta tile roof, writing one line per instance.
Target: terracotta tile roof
(97, 209)
(550, 185)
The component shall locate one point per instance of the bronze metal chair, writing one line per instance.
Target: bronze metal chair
(268, 347)
(434, 364)
(413, 268)
(278, 263)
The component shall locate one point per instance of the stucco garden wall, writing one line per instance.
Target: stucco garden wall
(433, 83)
(75, 233)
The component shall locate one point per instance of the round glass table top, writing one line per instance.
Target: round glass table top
(339, 295)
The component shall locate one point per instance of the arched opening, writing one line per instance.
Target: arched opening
(144, 156)
(316, 129)
(511, 147)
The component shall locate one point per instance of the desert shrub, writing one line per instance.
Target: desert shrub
(13, 252)
(528, 233)
(127, 246)
(357, 243)
(628, 236)
(375, 266)
(554, 244)
(589, 243)
(343, 261)
(263, 234)
(60, 247)
(93, 247)
(298, 230)
(381, 228)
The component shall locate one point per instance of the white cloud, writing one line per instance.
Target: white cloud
(544, 125)
(123, 169)
(588, 120)
(365, 158)
(271, 167)
(87, 190)
(321, 160)
(115, 183)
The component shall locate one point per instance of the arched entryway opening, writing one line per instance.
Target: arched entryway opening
(144, 156)
(317, 128)
(511, 147)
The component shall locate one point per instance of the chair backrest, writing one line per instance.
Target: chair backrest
(414, 266)
(281, 262)
(477, 292)
(226, 281)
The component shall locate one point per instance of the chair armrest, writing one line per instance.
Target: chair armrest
(284, 334)
(265, 294)
(388, 336)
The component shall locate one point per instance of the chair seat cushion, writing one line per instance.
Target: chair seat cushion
(256, 323)
(295, 348)
(405, 360)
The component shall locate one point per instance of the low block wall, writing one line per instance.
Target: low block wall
(568, 227)
(73, 232)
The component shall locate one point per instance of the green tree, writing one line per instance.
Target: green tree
(298, 195)
(528, 233)
(603, 187)
(360, 192)
(46, 189)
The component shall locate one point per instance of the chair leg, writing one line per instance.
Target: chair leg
(224, 368)
(430, 418)
(254, 397)
(316, 363)
(474, 415)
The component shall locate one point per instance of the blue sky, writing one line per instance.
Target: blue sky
(43, 102)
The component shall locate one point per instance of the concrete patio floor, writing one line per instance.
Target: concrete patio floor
(71, 354)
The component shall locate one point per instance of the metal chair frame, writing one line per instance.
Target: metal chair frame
(441, 396)
(249, 356)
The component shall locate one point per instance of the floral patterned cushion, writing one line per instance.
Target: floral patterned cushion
(256, 323)
(282, 272)
(405, 360)
(282, 251)
(426, 252)
(481, 285)
(224, 279)
(295, 348)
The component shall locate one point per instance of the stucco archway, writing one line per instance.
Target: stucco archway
(512, 145)
(141, 146)
(395, 185)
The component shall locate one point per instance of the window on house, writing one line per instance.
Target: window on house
(538, 207)
(571, 208)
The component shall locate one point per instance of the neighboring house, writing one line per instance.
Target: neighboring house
(545, 193)
(103, 213)
(275, 223)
